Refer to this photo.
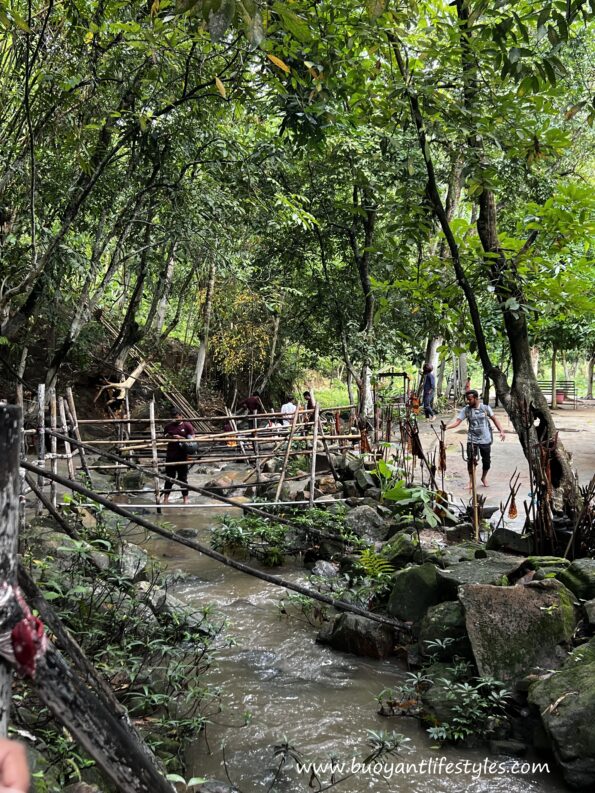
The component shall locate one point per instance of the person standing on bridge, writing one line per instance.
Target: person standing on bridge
(177, 453)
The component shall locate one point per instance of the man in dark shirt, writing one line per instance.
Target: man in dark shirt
(429, 384)
(310, 404)
(177, 453)
(252, 404)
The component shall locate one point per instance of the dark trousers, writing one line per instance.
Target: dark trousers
(178, 471)
(474, 450)
(428, 399)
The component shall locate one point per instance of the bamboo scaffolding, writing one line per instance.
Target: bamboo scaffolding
(67, 446)
(294, 419)
(40, 439)
(329, 458)
(76, 430)
(53, 444)
(237, 416)
(313, 460)
(154, 451)
(194, 488)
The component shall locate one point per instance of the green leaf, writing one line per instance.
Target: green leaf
(293, 23)
(376, 8)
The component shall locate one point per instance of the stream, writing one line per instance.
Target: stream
(277, 684)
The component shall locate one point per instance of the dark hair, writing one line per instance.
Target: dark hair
(306, 394)
(473, 393)
(175, 412)
(428, 368)
(256, 393)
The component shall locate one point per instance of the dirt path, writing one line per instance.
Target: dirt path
(577, 433)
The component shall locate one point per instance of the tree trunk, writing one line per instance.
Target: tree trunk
(366, 403)
(166, 280)
(535, 360)
(432, 345)
(204, 334)
(554, 356)
(440, 377)
(349, 383)
(590, 367)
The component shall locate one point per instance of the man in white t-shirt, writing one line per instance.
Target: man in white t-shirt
(287, 411)
(479, 434)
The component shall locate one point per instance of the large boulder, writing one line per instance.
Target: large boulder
(462, 552)
(580, 578)
(442, 622)
(494, 571)
(414, 591)
(364, 479)
(327, 485)
(365, 522)
(359, 635)
(132, 561)
(515, 631)
(508, 540)
(566, 703)
(223, 485)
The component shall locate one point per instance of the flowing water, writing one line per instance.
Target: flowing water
(278, 685)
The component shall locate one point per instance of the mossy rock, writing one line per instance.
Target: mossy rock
(445, 621)
(516, 631)
(401, 549)
(566, 703)
(415, 589)
(579, 577)
(454, 554)
(495, 571)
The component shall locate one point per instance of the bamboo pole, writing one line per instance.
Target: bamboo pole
(154, 451)
(326, 449)
(40, 438)
(127, 404)
(76, 430)
(53, 443)
(234, 428)
(294, 419)
(314, 449)
(237, 416)
(67, 446)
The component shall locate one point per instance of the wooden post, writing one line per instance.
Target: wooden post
(286, 457)
(329, 457)
(10, 442)
(53, 443)
(40, 439)
(77, 432)
(314, 449)
(67, 446)
(154, 454)
(127, 403)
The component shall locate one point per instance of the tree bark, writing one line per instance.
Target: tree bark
(590, 367)
(554, 404)
(204, 333)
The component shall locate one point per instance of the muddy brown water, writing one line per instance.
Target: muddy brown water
(287, 687)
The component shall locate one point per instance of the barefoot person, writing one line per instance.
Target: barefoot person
(479, 435)
(177, 453)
